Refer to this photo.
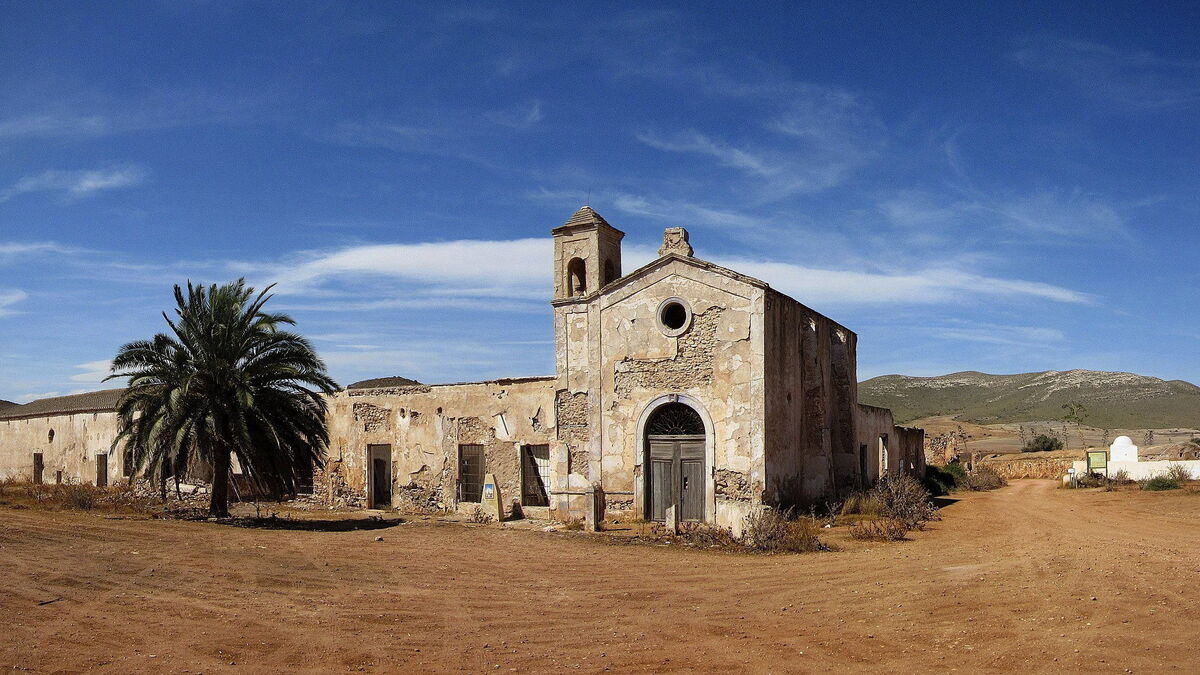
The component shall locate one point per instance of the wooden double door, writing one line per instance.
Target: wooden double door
(676, 477)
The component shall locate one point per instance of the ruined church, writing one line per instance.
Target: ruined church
(680, 388)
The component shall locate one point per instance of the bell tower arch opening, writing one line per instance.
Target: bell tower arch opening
(587, 254)
(576, 277)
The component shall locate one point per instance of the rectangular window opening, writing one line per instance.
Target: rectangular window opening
(470, 473)
(535, 475)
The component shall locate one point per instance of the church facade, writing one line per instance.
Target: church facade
(680, 388)
(681, 385)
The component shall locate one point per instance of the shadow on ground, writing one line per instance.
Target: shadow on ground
(943, 502)
(306, 525)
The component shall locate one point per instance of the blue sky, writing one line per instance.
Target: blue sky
(1004, 189)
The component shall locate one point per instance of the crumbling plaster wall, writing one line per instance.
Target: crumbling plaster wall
(910, 449)
(78, 439)
(872, 423)
(424, 425)
(906, 445)
(811, 390)
(612, 351)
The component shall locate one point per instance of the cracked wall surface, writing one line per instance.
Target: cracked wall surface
(425, 426)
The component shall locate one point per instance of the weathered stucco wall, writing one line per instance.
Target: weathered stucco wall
(905, 445)
(424, 425)
(616, 364)
(872, 423)
(78, 439)
(810, 395)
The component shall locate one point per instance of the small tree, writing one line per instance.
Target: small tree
(1042, 443)
(1075, 413)
(225, 382)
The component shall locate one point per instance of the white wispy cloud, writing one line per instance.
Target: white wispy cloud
(435, 272)
(931, 285)
(94, 372)
(55, 125)
(523, 116)
(26, 398)
(77, 184)
(998, 334)
(674, 211)
(1065, 215)
(475, 273)
(10, 297)
(1135, 80)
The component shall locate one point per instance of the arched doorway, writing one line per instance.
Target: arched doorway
(675, 461)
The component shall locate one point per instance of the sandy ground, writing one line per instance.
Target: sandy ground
(1028, 577)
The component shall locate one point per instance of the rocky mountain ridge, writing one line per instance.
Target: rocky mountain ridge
(1112, 399)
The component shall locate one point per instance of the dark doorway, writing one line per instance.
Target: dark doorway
(38, 467)
(470, 473)
(864, 480)
(102, 470)
(675, 463)
(535, 475)
(379, 458)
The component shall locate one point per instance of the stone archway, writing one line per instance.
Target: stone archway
(675, 447)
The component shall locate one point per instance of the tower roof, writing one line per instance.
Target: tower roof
(586, 218)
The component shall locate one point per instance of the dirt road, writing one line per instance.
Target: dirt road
(1026, 578)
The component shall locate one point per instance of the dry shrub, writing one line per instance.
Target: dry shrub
(75, 497)
(775, 531)
(708, 536)
(984, 478)
(1120, 477)
(885, 529)
(1178, 472)
(573, 524)
(904, 499)
(862, 503)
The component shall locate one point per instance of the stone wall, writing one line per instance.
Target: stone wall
(77, 440)
(715, 365)
(424, 427)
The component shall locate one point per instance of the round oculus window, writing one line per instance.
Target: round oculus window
(674, 316)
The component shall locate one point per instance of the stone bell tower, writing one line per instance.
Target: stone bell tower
(587, 254)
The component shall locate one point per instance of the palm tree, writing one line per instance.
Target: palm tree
(224, 381)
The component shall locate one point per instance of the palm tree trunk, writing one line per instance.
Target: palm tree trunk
(218, 506)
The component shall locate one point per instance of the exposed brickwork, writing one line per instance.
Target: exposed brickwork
(618, 503)
(572, 409)
(372, 417)
(335, 491)
(692, 365)
(733, 485)
(475, 430)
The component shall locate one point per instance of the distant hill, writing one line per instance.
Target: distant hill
(1113, 400)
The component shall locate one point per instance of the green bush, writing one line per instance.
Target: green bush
(1042, 443)
(940, 480)
(1162, 482)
